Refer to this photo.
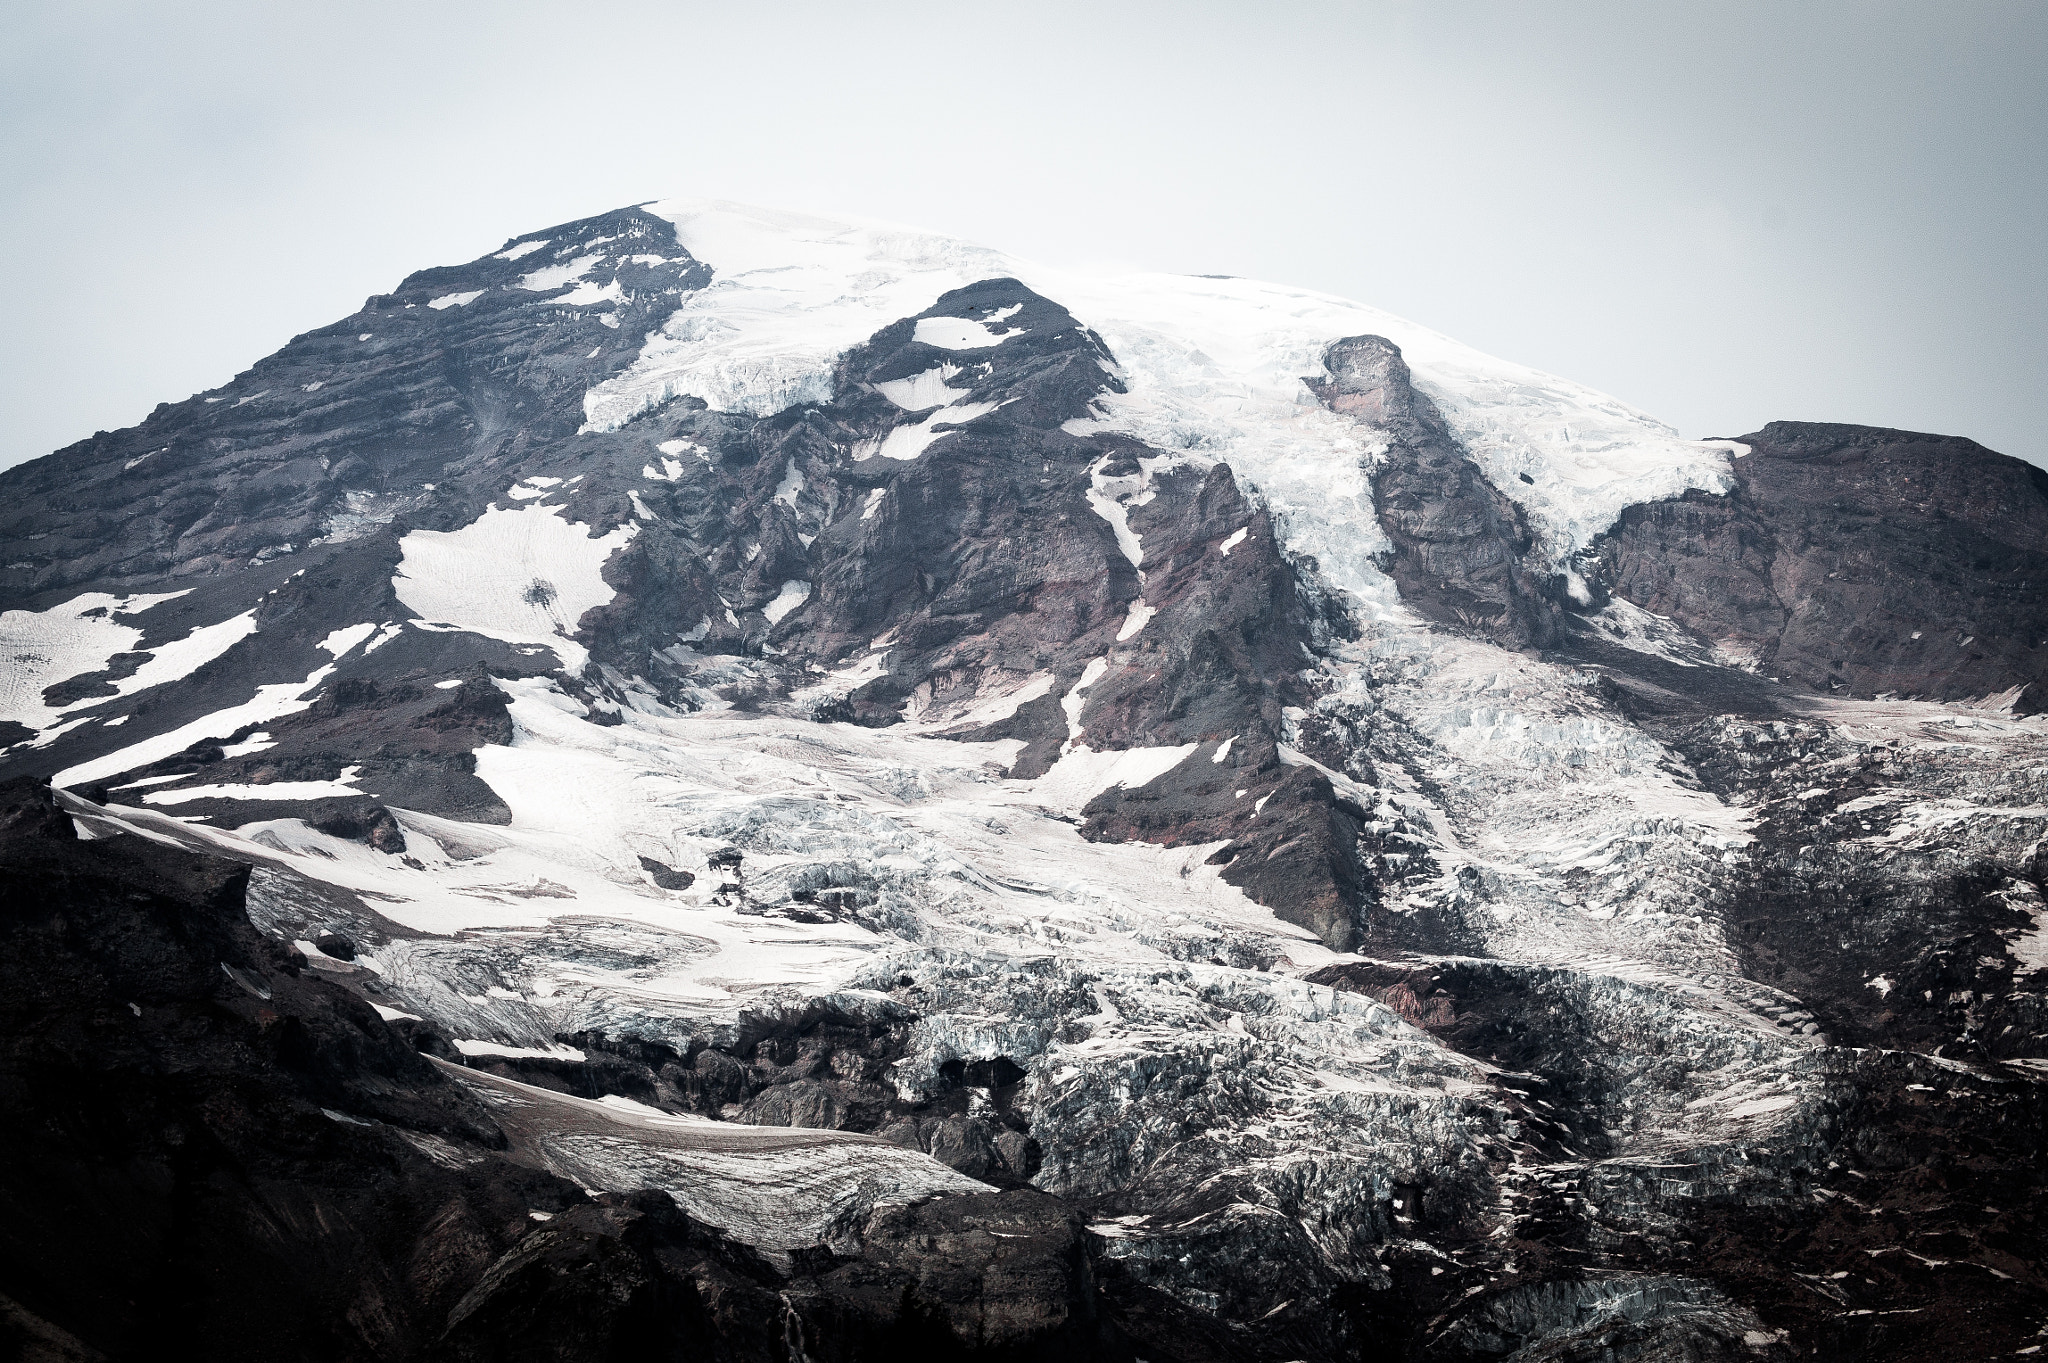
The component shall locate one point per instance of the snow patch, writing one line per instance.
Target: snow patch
(340, 641)
(1073, 702)
(843, 681)
(270, 702)
(792, 595)
(1627, 624)
(908, 442)
(555, 276)
(1081, 774)
(965, 333)
(492, 1048)
(589, 292)
(524, 576)
(276, 790)
(42, 648)
(455, 300)
(991, 705)
(255, 742)
(920, 392)
(529, 488)
(1103, 497)
(792, 483)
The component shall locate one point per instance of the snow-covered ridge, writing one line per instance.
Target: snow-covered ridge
(790, 294)
(1213, 368)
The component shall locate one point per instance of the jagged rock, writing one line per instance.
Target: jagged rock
(1796, 571)
(586, 1284)
(358, 821)
(666, 876)
(1005, 1272)
(1459, 546)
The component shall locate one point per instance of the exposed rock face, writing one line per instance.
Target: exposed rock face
(411, 404)
(895, 802)
(182, 1175)
(1458, 544)
(1801, 571)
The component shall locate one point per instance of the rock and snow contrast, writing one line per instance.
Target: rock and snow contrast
(723, 783)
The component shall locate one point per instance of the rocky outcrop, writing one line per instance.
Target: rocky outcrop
(409, 409)
(1855, 560)
(1459, 546)
(217, 1130)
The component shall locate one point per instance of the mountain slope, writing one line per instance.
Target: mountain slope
(1398, 850)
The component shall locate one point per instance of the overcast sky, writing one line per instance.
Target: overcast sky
(1722, 213)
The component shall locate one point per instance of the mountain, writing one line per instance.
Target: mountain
(730, 784)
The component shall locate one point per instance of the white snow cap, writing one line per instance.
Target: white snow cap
(1214, 369)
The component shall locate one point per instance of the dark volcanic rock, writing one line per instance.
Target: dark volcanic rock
(1459, 545)
(588, 1284)
(666, 876)
(358, 820)
(216, 1132)
(1911, 1148)
(1008, 1273)
(403, 408)
(1855, 559)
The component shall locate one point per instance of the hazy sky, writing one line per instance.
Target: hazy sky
(1722, 213)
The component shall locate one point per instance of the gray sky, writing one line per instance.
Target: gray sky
(1724, 214)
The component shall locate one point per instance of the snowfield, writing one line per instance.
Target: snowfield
(1213, 367)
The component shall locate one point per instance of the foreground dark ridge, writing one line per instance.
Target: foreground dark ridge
(219, 1153)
